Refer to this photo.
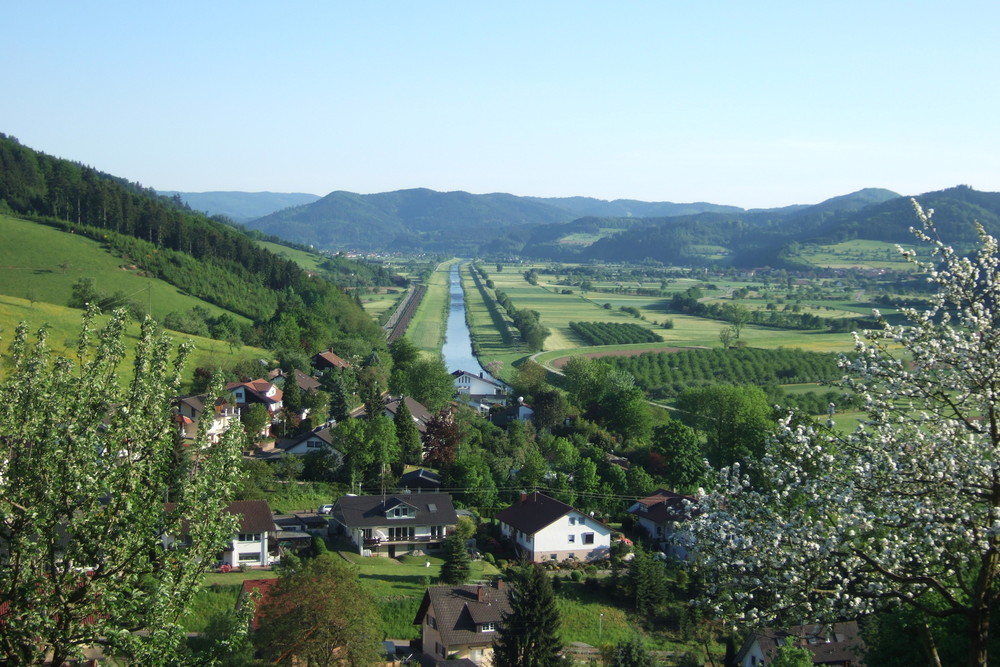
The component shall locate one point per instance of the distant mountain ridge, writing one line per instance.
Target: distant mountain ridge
(451, 222)
(241, 206)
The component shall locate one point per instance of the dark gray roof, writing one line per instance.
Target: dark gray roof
(836, 644)
(369, 511)
(420, 477)
(534, 512)
(255, 515)
(322, 432)
(458, 611)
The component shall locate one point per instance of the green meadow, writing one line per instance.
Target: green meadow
(857, 253)
(426, 330)
(309, 261)
(40, 264)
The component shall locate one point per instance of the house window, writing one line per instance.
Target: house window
(572, 539)
(312, 444)
(572, 521)
(488, 627)
(588, 538)
(249, 556)
(249, 537)
(553, 557)
(399, 512)
(440, 649)
(431, 622)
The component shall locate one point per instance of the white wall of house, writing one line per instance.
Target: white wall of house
(248, 549)
(470, 384)
(573, 535)
(310, 445)
(754, 656)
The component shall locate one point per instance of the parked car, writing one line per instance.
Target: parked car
(326, 509)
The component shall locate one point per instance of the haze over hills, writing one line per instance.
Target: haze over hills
(241, 206)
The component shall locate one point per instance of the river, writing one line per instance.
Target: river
(457, 348)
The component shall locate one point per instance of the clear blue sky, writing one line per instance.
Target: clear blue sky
(753, 104)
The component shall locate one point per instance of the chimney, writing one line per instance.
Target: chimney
(524, 496)
(481, 593)
(500, 584)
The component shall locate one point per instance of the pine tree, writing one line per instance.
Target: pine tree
(407, 434)
(457, 564)
(529, 635)
(631, 653)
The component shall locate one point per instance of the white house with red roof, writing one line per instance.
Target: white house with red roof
(546, 529)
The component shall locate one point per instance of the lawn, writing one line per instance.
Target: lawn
(398, 585)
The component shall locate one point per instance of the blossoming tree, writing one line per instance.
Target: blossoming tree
(903, 510)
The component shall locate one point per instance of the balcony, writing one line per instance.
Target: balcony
(416, 539)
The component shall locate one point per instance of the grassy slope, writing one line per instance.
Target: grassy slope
(43, 264)
(307, 260)
(34, 286)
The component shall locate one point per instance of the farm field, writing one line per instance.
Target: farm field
(426, 330)
(857, 253)
(380, 302)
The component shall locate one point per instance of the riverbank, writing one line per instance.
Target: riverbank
(427, 328)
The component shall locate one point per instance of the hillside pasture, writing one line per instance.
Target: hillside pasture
(44, 263)
(62, 325)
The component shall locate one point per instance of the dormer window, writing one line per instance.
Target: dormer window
(400, 512)
(488, 627)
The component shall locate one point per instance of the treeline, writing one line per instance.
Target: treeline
(614, 333)
(666, 374)
(499, 321)
(204, 257)
(688, 304)
(527, 322)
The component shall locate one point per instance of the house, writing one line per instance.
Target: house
(318, 439)
(460, 622)
(395, 524)
(519, 411)
(305, 382)
(544, 529)
(420, 481)
(256, 391)
(836, 644)
(327, 360)
(253, 544)
(478, 388)
(658, 515)
(190, 410)
(421, 415)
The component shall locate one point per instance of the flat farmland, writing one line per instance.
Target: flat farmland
(379, 302)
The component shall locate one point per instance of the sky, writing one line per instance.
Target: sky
(758, 104)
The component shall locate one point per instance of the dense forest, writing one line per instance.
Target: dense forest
(204, 257)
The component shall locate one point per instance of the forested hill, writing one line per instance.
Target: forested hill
(201, 256)
(448, 222)
(764, 237)
(417, 219)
